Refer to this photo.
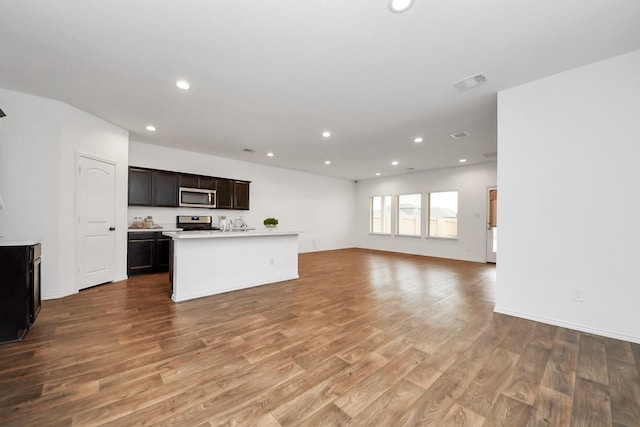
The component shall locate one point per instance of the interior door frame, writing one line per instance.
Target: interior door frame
(77, 233)
(487, 224)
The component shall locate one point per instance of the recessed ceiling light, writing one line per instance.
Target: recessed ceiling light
(270, 154)
(151, 128)
(394, 163)
(183, 84)
(326, 134)
(327, 162)
(459, 135)
(418, 140)
(378, 174)
(462, 160)
(398, 6)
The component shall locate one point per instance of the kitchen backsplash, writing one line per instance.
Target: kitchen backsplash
(166, 217)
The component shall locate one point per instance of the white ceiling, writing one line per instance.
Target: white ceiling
(271, 75)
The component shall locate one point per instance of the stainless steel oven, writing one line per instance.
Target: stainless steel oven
(197, 197)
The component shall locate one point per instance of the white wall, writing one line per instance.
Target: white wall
(472, 183)
(321, 207)
(568, 149)
(39, 138)
(86, 134)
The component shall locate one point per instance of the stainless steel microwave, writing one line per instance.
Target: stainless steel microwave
(196, 197)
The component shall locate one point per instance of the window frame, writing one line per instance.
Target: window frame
(420, 215)
(383, 198)
(428, 215)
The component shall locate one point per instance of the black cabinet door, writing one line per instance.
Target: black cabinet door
(148, 252)
(241, 195)
(165, 189)
(207, 183)
(140, 256)
(140, 183)
(163, 253)
(189, 181)
(14, 285)
(224, 193)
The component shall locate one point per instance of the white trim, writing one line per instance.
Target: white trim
(190, 296)
(568, 325)
(486, 225)
(76, 265)
(60, 295)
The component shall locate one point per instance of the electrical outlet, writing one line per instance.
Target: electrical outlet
(577, 295)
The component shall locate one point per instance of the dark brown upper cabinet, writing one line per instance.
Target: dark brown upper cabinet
(148, 187)
(196, 181)
(241, 195)
(207, 182)
(165, 189)
(140, 181)
(152, 187)
(190, 181)
(224, 193)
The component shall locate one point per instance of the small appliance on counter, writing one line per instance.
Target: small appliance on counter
(191, 223)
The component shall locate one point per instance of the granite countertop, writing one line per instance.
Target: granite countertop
(207, 234)
(8, 241)
(139, 230)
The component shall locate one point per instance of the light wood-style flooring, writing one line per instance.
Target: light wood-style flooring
(363, 338)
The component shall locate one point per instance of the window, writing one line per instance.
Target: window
(409, 208)
(381, 214)
(443, 214)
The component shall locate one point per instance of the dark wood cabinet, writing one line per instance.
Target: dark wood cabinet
(224, 193)
(152, 187)
(148, 187)
(207, 182)
(187, 180)
(197, 181)
(148, 252)
(163, 252)
(241, 195)
(20, 284)
(165, 189)
(140, 181)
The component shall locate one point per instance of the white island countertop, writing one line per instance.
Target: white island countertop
(215, 234)
(206, 263)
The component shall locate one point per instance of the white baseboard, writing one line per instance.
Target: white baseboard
(568, 325)
(59, 295)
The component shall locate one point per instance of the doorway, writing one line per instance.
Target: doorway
(492, 225)
(95, 202)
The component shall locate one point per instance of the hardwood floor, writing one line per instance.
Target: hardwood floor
(363, 338)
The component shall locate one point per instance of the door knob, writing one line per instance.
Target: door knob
(112, 228)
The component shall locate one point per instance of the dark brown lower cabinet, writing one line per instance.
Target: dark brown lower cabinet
(148, 252)
(20, 285)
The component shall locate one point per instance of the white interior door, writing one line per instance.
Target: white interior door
(96, 220)
(492, 225)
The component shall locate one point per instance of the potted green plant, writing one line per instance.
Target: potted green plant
(270, 222)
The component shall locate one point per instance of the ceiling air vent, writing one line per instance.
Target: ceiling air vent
(459, 135)
(471, 82)
(491, 155)
(248, 150)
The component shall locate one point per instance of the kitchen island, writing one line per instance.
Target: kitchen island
(206, 263)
